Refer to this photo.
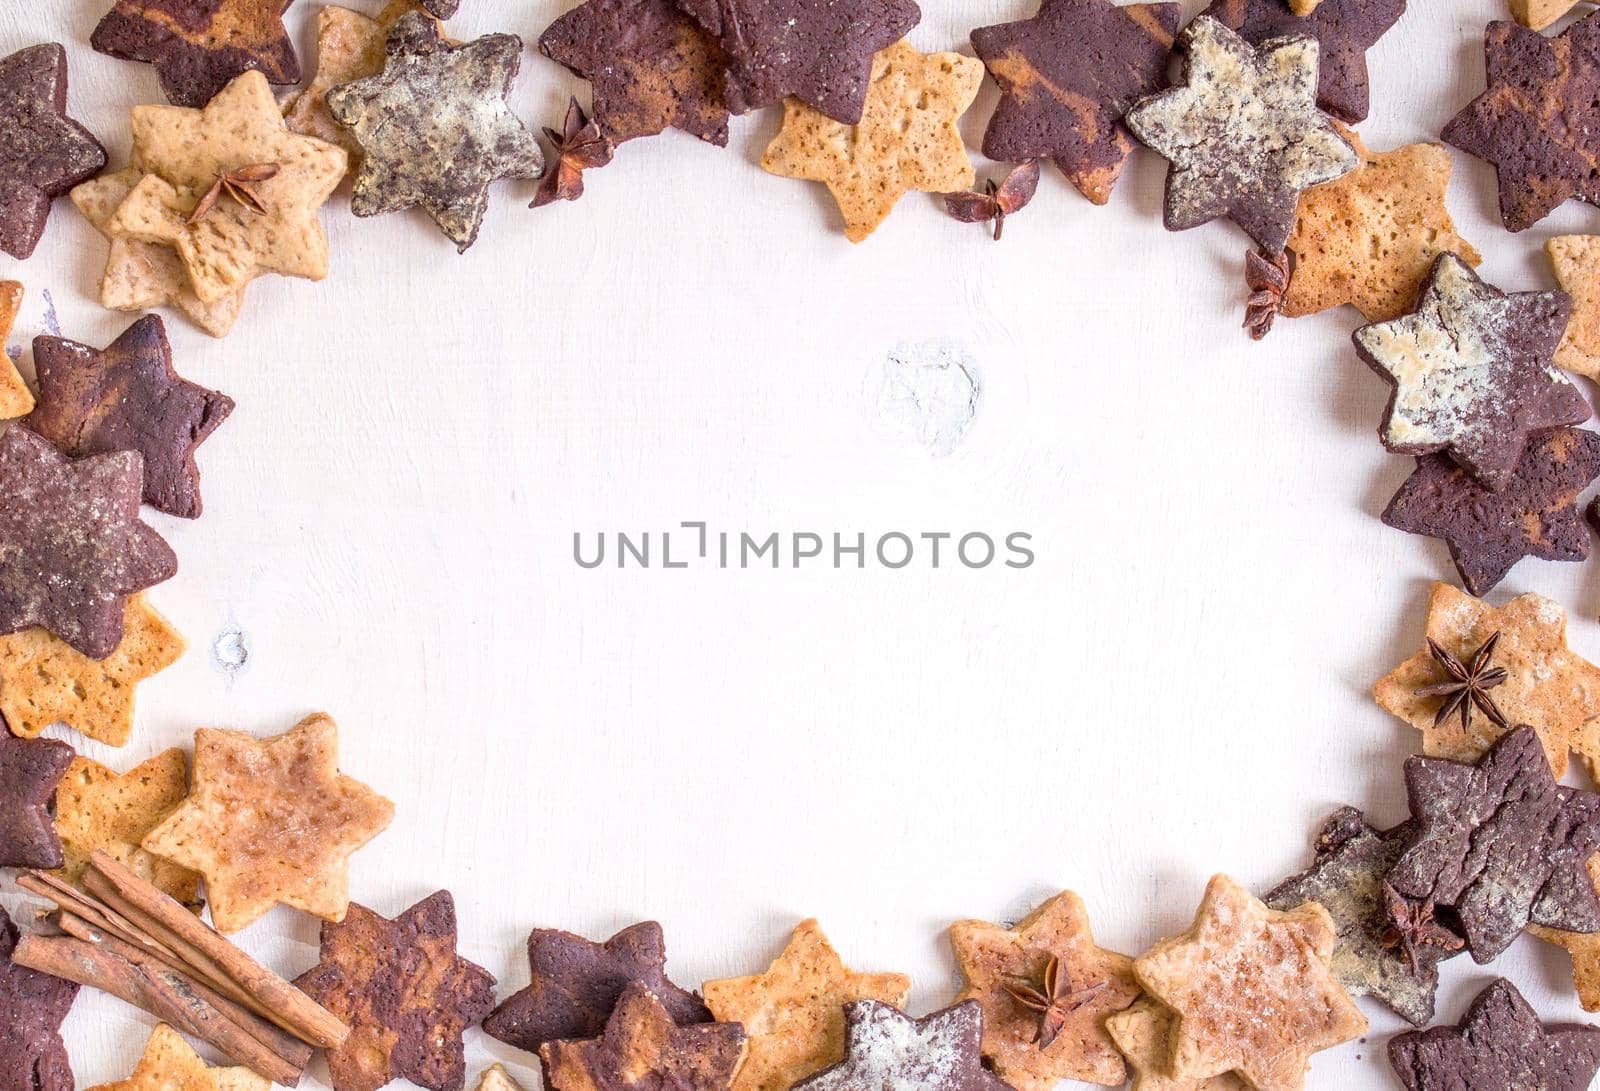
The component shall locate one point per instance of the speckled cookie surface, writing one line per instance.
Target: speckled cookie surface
(101, 810)
(1539, 120)
(641, 1045)
(1144, 1035)
(32, 1005)
(349, 48)
(198, 46)
(1471, 371)
(886, 1048)
(74, 544)
(1583, 948)
(29, 772)
(171, 1064)
(1242, 133)
(43, 153)
(818, 51)
(1067, 76)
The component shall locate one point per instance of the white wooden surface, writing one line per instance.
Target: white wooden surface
(1177, 686)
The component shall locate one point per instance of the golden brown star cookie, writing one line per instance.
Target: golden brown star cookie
(99, 808)
(1546, 686)
(271, 820)
(1143, 1033)
(15, 398)
(1252, 988)
(1538, 14)
(1370, 237)
(907, 137)
(1576, 261)
(1046, 990)
(44, 680)
(169, 1064)
(1583, 948)
(184, 153)
(794, 1011)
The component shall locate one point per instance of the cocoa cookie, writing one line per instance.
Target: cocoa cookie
(641, 1045)
(43, 152)
(199, 46)
(32, 1005)
(30, 770)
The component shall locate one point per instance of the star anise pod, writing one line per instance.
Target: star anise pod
(1469, 684)
(580, 146)
(1053, 999)
(996, 201)
(1412, 925)
(1267, 278)
(238, 183)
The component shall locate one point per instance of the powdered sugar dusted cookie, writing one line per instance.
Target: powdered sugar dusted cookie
(884, 1047)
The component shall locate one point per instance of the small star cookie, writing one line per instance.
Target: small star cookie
(1143, 1033)
(641, 1045)
(43, 152)
(885, 1048)
(198, 46)
(170, 1064)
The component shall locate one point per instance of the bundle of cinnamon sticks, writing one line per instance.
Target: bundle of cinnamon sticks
(122, 935)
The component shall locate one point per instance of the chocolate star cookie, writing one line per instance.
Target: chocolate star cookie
(818, 51)
(43, 152)
(1534, 515)
(199, 46)
(1471, 372)
(576, 982)
(642, 1045)
(74, 546)
(16, 399)
(650, 66)
(405, 1024)
(1500, 844)
(1500, 1044)
(127, 397)
(1539, 120)
(32, 1005)
(1242, 133)
(884, 1047)
(435, 127)
(30, 769)
(1344, 30)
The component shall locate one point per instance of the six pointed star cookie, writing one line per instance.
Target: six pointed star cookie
(99, 809)
(43, 153)
(886, 1048)
(198, 46)
(1066, 78)
(1471, 371)
(1090, 984)
(576, 982)
(73, 543)
(15, 397)
(1583, 948)
(405, 994)
(794, 1011)
(127, 397)
(1546, 685)
(1370, 238)
(1143, 1033)
(641, 1045)
(32, 1005)
(435, 127)
(1501, 1044)
(29, 772)
(271, 820)
(1253, 989)
(1243, 133)
(1576, 261)
(1539, 120)
(183, 153)
(1344, 30)
(907, 138)
(170, 1064)
(818, 51)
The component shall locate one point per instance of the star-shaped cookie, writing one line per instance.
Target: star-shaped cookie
(1471, 371)
(1583, 948)
(1370, 238)
(29, 772)
(1253, 989)
(15, 397)
(244, 826)
(99, 809)
(1344, 31)
(199, 46)
(650, 66)
(1090, 984)
(1242, 133)
(435, 128)
(641, 1045)
(142, 275)
(170, 1064)
(32, 1005)
(405, 994)
(1576, 262)
(43, 152)
(74, 546)
(1538, 14)
(576, 982)
(1539, 120)
(1066, 78)
(349, 48)
(794, 1011)
(1546, 685)
(1500, 1044)
(818, 51)
(907, 139)
(1143, 1033)
(127, 397)
(44, 680)
(183, 152)
(886, 1048)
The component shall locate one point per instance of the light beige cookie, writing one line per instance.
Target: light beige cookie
(1538, 14)
(16, 400)
(496, 1078)
(1576, 261)
(171, 1064)
(1144, 1035)
(906, 140)
(99, 808)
